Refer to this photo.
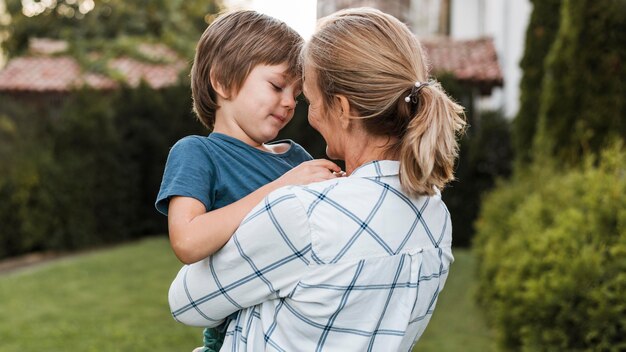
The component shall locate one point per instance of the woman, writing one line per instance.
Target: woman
(354, 263)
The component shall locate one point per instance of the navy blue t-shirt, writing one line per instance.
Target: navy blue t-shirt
(218, 170)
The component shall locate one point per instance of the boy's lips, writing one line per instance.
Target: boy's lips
(282, 119)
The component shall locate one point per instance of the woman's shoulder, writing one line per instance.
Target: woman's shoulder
(358, 192)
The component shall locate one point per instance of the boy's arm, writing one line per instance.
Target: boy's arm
(265, 260)
(196, 234)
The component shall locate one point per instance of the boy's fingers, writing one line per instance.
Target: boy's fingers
(327, 164)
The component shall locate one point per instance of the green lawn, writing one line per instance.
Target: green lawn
(457, 324)
(111, 300)
(116, 300)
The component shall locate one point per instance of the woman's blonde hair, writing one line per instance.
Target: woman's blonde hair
(231, 47)
(374, 60)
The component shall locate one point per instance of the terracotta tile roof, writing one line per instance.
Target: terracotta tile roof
(472, 61)
(156, 75)
(63, 74)
(49, 74)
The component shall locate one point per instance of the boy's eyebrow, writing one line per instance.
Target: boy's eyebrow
(293, 79)
(285, 77)
(278, 75)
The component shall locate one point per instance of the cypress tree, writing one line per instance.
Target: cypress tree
(542, 29)
(583, 106)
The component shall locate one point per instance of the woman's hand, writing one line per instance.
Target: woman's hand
(310, 171)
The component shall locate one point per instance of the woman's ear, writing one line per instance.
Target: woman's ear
(219, 88)
(345, 115)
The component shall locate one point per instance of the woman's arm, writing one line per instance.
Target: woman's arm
(265, 260)
(196, 234)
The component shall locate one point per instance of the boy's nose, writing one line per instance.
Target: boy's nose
(289, 101)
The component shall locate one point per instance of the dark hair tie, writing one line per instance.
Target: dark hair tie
(412, 97)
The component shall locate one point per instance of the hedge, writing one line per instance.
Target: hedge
(550, 246)
(86, 172)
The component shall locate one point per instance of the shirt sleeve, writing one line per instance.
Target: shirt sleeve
(264, 260)
(189, 172)
(301, 153)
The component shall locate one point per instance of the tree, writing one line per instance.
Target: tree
(582, 104)
(93, 24)
(542, 29)
(85, 170)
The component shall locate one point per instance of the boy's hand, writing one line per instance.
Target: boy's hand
(310, 171)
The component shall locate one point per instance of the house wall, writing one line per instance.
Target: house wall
(503, 20)
(398, 8)
(425, 15)
(506, 22)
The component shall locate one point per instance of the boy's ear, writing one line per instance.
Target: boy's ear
(218, 87)
(345, 110)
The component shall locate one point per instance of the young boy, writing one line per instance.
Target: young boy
(245, 79)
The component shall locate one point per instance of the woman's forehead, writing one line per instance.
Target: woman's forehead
(308, 82)
(308, 74)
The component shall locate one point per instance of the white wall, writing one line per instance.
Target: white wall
(425, 17)
(506, 22)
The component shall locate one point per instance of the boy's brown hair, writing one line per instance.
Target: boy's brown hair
(231, 47)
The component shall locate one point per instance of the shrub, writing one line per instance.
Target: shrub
(24, 153)
(542, 28)
(87, 172)
(485, 155)
(582, 107)
(550, 246)
(92, 184)
(150, 122)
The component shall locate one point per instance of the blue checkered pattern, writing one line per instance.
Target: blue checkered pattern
(350, 264)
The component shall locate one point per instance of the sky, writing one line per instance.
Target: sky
(299, 14)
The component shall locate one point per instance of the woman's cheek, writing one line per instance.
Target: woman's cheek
(313, 117)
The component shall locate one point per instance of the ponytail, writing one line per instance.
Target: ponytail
(428, 148)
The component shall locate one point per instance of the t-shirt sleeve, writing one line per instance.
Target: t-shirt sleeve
(300, 154)
(189, 172)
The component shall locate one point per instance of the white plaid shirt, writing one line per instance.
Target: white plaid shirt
(350, 264)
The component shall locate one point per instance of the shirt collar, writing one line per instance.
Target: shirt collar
(378, 168)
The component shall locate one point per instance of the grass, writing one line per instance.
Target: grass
(111, 300)
(457, 323)
(116, 300)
